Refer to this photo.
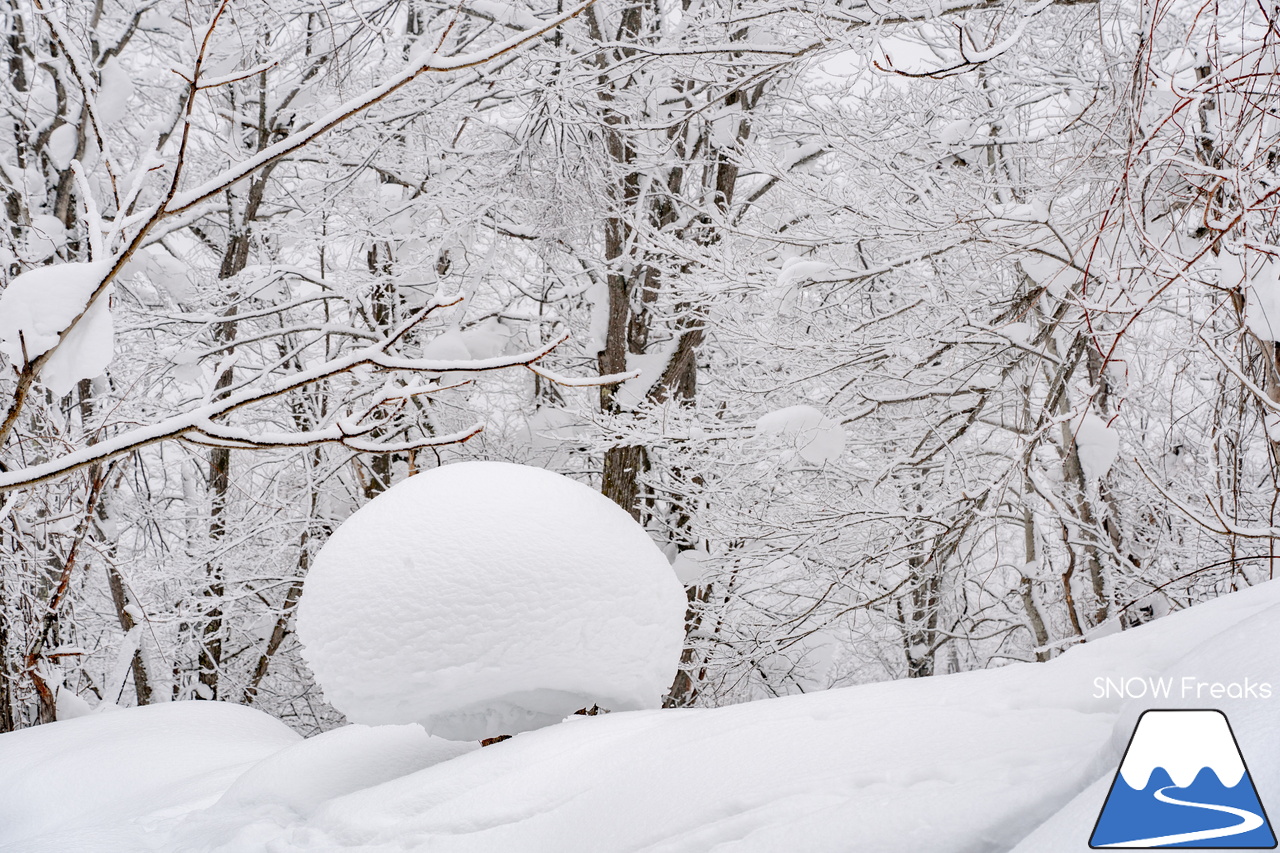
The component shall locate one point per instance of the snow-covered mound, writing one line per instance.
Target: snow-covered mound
(967, 763)
(286, 787)
(317, 769)
(1016, 758)
(893, 768)
(100, 782)
(1223, 642)
(485, 598)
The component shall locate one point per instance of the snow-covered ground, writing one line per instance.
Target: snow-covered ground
(1018, 758)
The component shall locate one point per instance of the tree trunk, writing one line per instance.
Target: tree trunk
(119, 597)
(920, 617)
(7, 722)
(210, 659)
(1026, 588)
(234, 260)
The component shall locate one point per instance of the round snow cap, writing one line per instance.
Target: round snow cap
(485, 598)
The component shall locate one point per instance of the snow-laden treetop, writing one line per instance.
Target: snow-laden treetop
(484, 598)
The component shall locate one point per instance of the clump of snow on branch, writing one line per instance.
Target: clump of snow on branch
(1098, 445)
(1262, 297)
(796, 270)
(61, 146)
(45, 236)
(817, 438)
(484, 598)
(39, 305)
(632, 393)
(489, 339)
(114, 93)
(691, 566)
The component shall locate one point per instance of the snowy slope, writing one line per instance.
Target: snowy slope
(1246, 649)
(102, 781)
(986, 761)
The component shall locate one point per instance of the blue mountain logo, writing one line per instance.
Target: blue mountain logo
(1183, 783)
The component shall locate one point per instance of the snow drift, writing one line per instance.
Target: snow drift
(1016, 758)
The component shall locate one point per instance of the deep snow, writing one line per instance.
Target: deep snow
(1016, 758)
(484, 598)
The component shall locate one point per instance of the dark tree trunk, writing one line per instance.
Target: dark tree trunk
(210, 660)
(920, 617)
(7, 721)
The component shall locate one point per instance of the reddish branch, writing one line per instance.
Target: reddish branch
(50, 619)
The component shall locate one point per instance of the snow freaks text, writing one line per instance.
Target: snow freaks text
(1186, 687)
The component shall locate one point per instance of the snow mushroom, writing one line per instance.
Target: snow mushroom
(485, 598)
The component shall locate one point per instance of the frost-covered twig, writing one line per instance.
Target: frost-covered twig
(200, 421)
(174, 203)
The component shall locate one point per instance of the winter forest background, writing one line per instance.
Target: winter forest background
(949, 326)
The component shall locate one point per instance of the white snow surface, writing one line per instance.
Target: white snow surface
(690, 565)
(103, 781)
(62, 145)
(38, 305)
(1013, 759)
(289, 785)
(548, 427)
(114, 93)
(1224, 642)
(447, 346)
(796, 270)
(789, 158)
(306, 774)
(958, 132)
(488, 339)
(485, 598)
(45, 235)
(633, 392)
(597, 296)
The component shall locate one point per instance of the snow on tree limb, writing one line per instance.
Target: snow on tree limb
(175, 203)
(355, 106)
(198, 425)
